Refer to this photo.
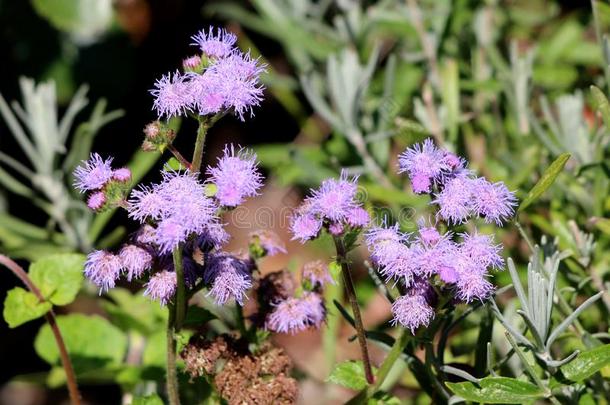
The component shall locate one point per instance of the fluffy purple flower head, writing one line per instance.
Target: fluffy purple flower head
(236, 176)
(304, 227)
(103, 268)
(493, 201)
(429, 235)
(93, 174)
(447, 274)
(412, 311)
(454, 162)
(179, 205)
(169, 233)
(357, 217)
(334, 198)
(96, 200)
(424, 163)
(161, 286)
(173, 95)
(145, 204)
(208, 93)
(229, 276)
(135, 260)
(390, 253)
(317, 274)
(480, 249)
(213, 236)
(472, 285)
(455, 200)
(123, 174)
(294, 315)
(269, 241)
(215, 45)
(431, 259)
(234, 79)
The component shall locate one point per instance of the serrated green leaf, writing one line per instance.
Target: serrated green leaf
(587, 363)
(349, 374)
(147, 400)
(92, 342)
(497, 390)
(21, 306)
(59, 276)
(547, 179)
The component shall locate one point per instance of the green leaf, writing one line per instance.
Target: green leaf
(497, 390)
(548, 177)
(155, 351)
(134, 312)
(147, 400)
(348, 374)
(59, 276)
(601, 104)
(86, 19)
(197, 316)
(587, 363)
(92, 342)
(21, 306)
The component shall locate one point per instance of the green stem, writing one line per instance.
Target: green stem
(395, 352)
(530, 370)
(172, 375)
(524, 235)
(239, 320)
(199, 144)
(351, 293)
(180, 288)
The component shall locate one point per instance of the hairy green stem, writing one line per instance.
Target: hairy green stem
(204, 125)
(50, 317)
(180, 288)
(351, 294)
(172, 375)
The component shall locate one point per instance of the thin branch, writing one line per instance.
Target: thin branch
(50, 317)
(351, 293)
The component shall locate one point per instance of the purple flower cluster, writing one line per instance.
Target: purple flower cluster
(97, 176)
(222, 79)
(456, 190)
(334, 206)
(235, 176)
(429, 257)
(104, 268)
(179, 207)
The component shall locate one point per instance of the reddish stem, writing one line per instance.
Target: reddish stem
(50, 316)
